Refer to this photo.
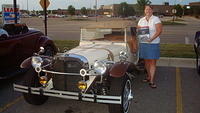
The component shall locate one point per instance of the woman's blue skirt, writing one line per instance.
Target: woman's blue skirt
(149, 51)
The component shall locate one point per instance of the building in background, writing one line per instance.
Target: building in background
(194, 4)
(113, 10)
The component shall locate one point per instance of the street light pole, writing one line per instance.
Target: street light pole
(96, 9)
(27, 6)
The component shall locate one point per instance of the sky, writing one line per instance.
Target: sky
(63, 4)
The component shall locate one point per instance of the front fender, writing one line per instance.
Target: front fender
(46, 41)
(26, 63)
(120, 68)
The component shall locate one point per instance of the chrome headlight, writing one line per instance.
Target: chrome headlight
(100, 67)
(36, 63)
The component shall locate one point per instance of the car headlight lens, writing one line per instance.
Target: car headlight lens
(100, 67)
(36, 61)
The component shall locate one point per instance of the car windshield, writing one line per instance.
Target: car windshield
(103, 34)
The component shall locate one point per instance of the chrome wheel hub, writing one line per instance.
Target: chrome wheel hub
(127, 96)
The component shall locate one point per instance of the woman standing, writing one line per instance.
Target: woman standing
(149, 30)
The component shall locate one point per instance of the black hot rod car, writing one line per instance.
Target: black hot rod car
(20, 43)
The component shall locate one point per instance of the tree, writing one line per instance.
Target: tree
(71, 10)
(125, 10)
(141, 4)
(83, 11)
(195, 10)
(179, 10)
(131, 11)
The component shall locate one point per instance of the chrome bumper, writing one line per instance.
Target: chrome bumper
(69, 95)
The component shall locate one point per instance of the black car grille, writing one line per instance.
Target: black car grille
(67, 82)
(72, 66)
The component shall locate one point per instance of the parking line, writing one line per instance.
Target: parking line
(179, 102)
(10, 104)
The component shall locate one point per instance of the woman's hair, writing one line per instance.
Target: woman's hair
(149, 6)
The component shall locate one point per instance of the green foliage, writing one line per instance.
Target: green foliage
(141, 5)
(125, 10)
(131, 11)
(83, 11)
(71, 10)
(66, 44)
(195, 10)
(179, 10)
(172, 23)
(41, 12)
(177, 50)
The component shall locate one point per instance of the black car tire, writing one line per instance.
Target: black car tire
(118, 87)
(32, 80)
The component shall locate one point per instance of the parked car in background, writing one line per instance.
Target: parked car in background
(25, 15)
(20, 44)
(100, 70)
(84, 16)
(197, 50)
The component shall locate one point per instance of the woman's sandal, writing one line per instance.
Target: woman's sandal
(152, 85)
(145, 80)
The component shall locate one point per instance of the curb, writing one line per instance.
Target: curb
(177, 62)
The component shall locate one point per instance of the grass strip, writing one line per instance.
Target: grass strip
(177, 50)
(172, 23)
(167, 50)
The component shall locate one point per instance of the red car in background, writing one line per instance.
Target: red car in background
(21, 43)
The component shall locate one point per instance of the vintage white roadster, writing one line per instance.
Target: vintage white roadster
(99, 70)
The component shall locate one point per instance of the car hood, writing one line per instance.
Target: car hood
(95, 52)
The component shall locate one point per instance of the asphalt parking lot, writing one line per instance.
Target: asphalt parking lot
(177, 92)
(61, 29)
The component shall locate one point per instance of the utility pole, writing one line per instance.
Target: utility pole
(15, 10)
(45, 17)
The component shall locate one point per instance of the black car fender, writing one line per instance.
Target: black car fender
(45, 41)
(26, 63)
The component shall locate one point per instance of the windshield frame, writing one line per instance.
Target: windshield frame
(104, 39)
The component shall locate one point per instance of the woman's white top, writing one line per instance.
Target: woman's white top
(153, 20)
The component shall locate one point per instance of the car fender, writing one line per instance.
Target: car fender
(26, 63)
(46, 41)
(120, 68)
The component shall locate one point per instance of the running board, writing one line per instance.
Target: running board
(69, 95)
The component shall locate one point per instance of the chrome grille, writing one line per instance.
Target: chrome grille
(68, 64)
(72, 66)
